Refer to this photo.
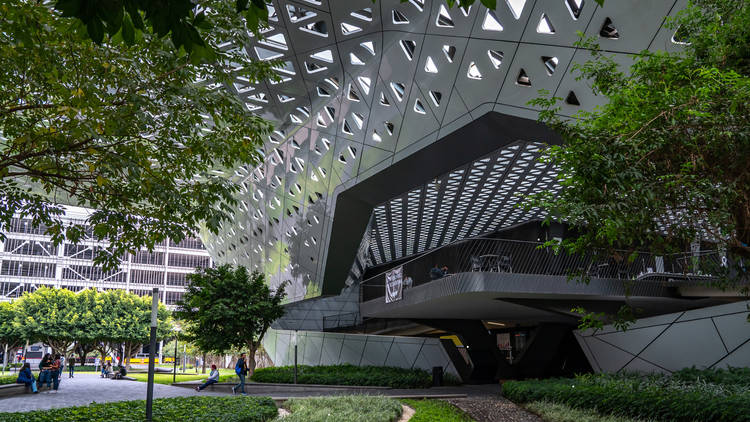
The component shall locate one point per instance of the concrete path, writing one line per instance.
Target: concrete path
(88, 388)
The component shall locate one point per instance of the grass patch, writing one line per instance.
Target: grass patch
(436, 411)
(167, 378)
(555, 412)
(346, 375)
(194, 409)
(685, 397)
(343, 409)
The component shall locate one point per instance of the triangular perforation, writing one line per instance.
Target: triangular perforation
(608, 30)
(399, 18)
(572, 99)
(523, 79)
(545, 25)
(444, 19)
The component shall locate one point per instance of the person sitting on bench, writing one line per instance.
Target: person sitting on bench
(121, 373)
(213, 378)
(26, 377)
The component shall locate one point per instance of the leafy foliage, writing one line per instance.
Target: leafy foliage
(10, 334)
(137, 133)
(346, 375)
(343, 409)
(59, 317)
(657, 397)
(227, 307)
(186, 24)
(435, 411)
(197, 409)
(664, 162)
(8, 379)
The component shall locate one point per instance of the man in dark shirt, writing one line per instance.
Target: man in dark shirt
(241, 370)
(436, 273)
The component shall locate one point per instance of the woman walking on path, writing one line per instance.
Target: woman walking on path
(26, 377)
(241, 370)
(213, 378)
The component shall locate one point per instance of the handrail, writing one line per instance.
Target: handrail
(525, 257)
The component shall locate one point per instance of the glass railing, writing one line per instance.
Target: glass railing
(522, 257)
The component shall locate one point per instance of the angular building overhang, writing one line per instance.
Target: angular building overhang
(364, 86)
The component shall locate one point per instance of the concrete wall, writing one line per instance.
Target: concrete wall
(713, 337)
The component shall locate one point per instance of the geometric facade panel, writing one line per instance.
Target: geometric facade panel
(363, 85)
(711, 337)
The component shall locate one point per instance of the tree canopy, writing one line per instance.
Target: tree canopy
(228, 308)
(60, 317)
(138, 133)
(665, 162)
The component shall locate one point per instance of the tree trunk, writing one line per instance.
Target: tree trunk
(253, 347)
(203, 360)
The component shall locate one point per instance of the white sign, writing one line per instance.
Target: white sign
(503, 341)
(394, 285)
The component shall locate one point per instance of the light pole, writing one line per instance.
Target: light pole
(174, 373)
(294, 341)
(151, 354)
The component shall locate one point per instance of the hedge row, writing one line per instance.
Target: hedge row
(346, 375)
(8, 379)
(637, 399)
(194, 409)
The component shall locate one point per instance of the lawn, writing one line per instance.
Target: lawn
(436, 411)
(162, 378)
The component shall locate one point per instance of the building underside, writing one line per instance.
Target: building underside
(404, 139)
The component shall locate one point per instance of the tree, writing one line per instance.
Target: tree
(227, 307)
(665, 162)
(48, 315)
(10, 335)
(127, 323)
(138, 133)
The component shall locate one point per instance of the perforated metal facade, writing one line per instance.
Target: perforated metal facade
(365, 85)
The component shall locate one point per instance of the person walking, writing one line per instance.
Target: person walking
(71, 366)
(26, 377)
(241, 370)
(213, 378)
(96, 364)
(61, 368)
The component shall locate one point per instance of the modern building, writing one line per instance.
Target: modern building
(403, 140)
(30, 260)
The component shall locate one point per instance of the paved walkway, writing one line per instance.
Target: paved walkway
(88, 388)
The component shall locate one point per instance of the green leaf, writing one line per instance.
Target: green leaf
(128, 31)
(95, 30)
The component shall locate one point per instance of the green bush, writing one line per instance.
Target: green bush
(8, 379)
(194, 409)
(555, 412)
(651, 397)
(730, 377)
(346, 375)
(436, 411)
(343, 409)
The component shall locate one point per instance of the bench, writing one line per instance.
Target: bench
(13, 389)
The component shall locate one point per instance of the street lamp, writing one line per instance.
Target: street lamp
(294, 342)
(174, 373)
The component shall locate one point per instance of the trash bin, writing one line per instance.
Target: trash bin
(437, 376)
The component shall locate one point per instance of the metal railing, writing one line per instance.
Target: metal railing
(523, 257)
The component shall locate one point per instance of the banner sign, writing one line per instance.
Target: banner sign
(394, 285)
(503, 341)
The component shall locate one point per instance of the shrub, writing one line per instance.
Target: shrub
(194, 409)
(436, 411)
(563, 413)
(655, 397)
(8, 379)
(343, 409)
(346, 375)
